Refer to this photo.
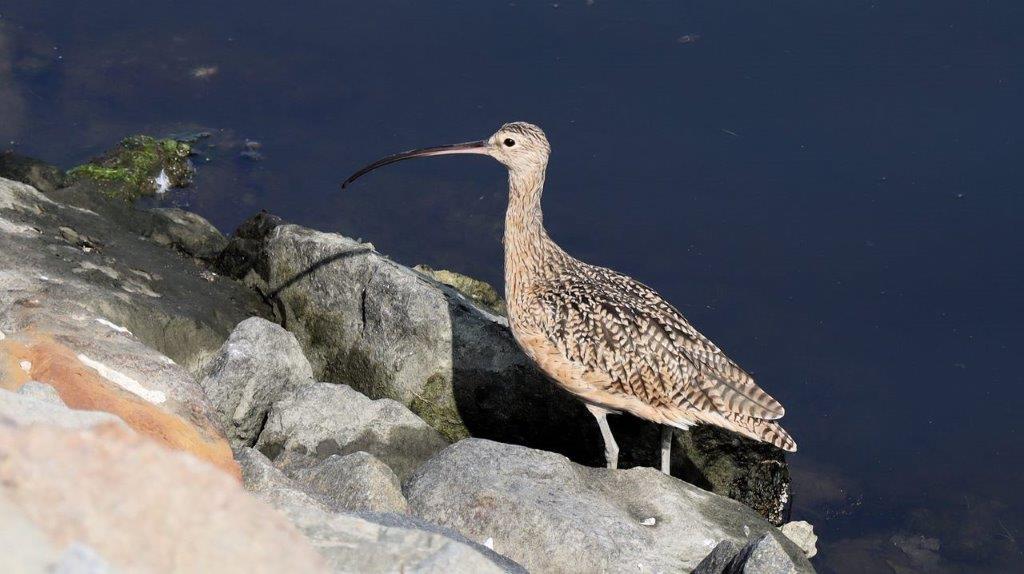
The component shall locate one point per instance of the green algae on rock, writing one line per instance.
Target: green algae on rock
(139, 166)
(479, 291)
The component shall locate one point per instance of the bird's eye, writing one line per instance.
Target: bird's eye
(509, 142)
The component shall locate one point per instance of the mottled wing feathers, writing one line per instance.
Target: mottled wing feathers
(619, 327)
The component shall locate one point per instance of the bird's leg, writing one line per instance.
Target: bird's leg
(666, 449)
(611, 449)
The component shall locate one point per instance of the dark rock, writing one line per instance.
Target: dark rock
(765, 555)
(245, 248)
(189, 233)
(552, 515)
(725, 463)
(40, 175)
(719, 558)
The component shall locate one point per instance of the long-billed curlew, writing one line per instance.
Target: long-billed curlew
(608, 339)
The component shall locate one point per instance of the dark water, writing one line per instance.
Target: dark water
(830, 190)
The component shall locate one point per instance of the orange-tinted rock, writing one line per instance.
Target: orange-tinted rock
(143, 507)
(83, 387)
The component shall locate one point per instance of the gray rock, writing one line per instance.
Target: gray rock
(552, 515)
(257, 363)
(719, 558)
(39, 174)
(40, 391)
(324, 419)
(802, 534)
(116, 323)
(355, 482)
(186, 231)
(368, 543)
(765, 555)
(388, 331)
(148, 292)
(26, 409)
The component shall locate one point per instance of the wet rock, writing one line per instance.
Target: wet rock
(480, 292)
(324, 419)
(258, 363)
(135, 506)
(189, 233)
(802, 534)
(141, 165)
(553, 515)
(244, 251)
(355, 482)
(368, 543)
(725, 463)
(39, 174)
(119, 329)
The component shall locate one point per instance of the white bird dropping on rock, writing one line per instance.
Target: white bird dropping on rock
(162, 182)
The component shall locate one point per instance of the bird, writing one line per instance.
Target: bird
(606, 338)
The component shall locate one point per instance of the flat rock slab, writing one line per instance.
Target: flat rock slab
(552, 515)
(325, 419)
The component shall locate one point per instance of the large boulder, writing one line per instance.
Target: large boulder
(113, 322)
(258, 363)
(104, 499)
(369, 543)
(552, 515)
(324, 419)
(388, 331)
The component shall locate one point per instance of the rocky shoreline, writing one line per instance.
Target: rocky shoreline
(285, 398)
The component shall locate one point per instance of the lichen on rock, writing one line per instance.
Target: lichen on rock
(480, 292)
(131, 169)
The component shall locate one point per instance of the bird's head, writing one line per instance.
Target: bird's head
(520, 146)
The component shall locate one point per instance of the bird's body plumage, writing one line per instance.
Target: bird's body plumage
(615, 342)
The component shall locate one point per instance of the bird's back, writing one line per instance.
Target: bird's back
(615, 342)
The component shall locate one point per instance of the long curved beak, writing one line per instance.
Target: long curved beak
(482, 147)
